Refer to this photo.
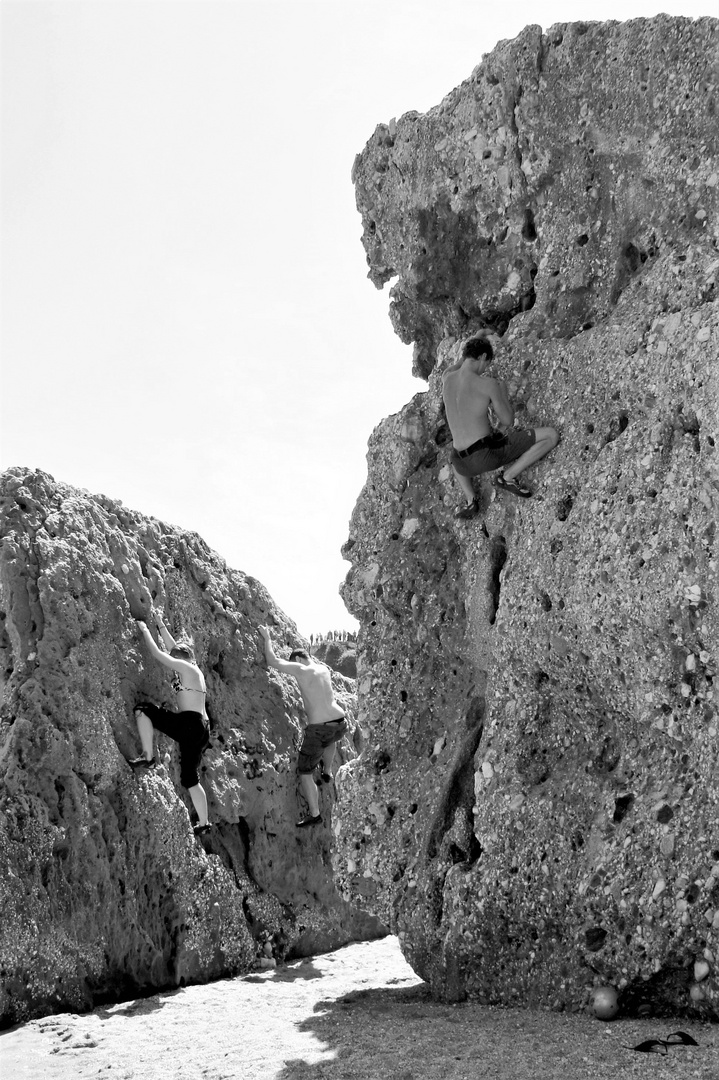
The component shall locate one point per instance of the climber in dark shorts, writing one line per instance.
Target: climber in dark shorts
(188, 726)
(468, 393)
(326, 723)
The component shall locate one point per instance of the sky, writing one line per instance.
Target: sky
(187, 324)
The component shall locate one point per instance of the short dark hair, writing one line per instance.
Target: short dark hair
(302, 654)
(478, 346)
(184, 651)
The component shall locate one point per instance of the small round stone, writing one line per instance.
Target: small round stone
(604, 1003)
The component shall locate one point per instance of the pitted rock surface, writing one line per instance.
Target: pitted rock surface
(546, 181)
(105, 891)
(538, 801)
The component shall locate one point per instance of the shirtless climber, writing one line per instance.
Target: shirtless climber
(188, 726)
(468, 393)
(326, 722)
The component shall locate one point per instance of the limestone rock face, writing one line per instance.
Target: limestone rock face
(104, 890)
(539, 796)
(544, 182)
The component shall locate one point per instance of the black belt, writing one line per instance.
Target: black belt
(494, 439)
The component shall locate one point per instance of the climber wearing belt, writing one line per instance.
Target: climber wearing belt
(468, 393)
(326, 722)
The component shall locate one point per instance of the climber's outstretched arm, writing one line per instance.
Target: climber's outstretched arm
(289, 667)
(165, 634)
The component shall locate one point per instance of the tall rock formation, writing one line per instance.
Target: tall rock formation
(104, 891)
(538, 804)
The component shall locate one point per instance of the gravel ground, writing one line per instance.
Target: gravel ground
(357, 1014)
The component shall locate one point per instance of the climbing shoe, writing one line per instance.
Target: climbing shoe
(660, 1046)
(142, 763)
(310, 820)
(464, 513)
(513, 487)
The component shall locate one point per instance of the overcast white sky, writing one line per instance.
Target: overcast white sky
(188, 326)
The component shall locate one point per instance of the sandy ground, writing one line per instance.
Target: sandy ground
(360, 1013)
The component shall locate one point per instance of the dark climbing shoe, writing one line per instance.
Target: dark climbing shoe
(200, 830)
(650, 1046)
(464, 513)
(513, 487)
(660, 1046)
(142, 763)
(310, 820)
(680, 1038)
(326, 778)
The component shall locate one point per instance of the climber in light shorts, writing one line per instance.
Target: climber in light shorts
(468, 392)
(326, 723)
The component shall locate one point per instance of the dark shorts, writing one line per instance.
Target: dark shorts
(316, 739)
(189, 729)
(490, 457)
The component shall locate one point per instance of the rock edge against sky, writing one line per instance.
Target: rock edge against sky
(540, 798)
(105, 892)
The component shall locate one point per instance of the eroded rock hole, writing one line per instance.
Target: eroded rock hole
(617, 425)
(381, 763)
(442, 435)
(635, 257)
(529, 231)
(497, 558)
(458, 854)
(622, 806)
(564, 507)
(595, 938)
(528, 300)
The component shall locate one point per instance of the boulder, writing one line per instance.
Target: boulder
(105, 891)
(537, 796)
